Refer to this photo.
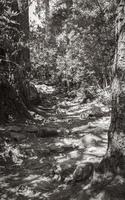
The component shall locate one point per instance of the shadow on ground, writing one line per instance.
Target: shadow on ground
(40, 168)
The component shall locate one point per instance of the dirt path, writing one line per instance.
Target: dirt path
(40, 168)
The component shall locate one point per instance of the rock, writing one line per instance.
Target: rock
(53, 148)
(96, 111)
(17, 136)
(83, 172)
(68, 147)
(87, 96)
(65, 170)
(31, 129)
(89, 141)
(45, 89)
(33, 95)
(14, 129)
(48, 132)
(29, 92)
(72, 94)
(83, 196)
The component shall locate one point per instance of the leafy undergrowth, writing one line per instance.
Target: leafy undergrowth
(42, 168)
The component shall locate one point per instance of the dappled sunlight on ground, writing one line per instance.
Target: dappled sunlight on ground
(38, 168)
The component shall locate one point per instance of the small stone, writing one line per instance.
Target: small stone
(83, 172)
(53, 148)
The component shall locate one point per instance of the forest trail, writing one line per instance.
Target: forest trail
(41, 168)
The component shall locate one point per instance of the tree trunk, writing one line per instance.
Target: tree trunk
(24, 26)
(47, 18)
(23, 56)
(24, 17)
(115, 157)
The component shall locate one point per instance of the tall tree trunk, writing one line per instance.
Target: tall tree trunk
(24, 17)
(47, 18)
(24, 27)
(115, 157)
(23, 56)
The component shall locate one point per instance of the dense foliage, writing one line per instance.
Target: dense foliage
(72, 46)
(12, 40)
(78, 44)
(14, 60)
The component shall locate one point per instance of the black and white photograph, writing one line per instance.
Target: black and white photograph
(62, 99)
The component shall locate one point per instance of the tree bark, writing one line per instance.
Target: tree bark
(24, 17)
(115, 156)
(23, 56)
(47, 18)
